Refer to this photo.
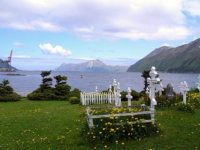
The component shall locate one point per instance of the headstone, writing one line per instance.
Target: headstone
(170, 91)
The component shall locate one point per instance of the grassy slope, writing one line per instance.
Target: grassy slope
(181, 59)
(25, 124)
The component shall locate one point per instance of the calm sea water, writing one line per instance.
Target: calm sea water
(90, 80)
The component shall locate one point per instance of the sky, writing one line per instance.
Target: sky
(44, 34)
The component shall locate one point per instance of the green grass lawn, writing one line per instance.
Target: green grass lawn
(57, 125)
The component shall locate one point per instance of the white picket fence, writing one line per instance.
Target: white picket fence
(98, 98)
(23, 94)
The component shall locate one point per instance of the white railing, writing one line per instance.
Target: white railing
(144, 110)
(98, 98)
(23, 94)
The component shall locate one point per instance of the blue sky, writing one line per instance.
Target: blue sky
(43, 34)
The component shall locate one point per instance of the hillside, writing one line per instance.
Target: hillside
(3, 65)
(91, 66)
(182, 59)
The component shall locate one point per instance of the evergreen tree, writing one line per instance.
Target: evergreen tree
(145, 75)
(46, 81)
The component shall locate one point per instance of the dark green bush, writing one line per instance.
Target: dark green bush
(123, 96)
(46, 92)
(10, 98)
(45, 95)
(74, 100)
(134, 94)
(62, 89)
(193, 90)
(7, 94)
(75, 93)
(163, 101)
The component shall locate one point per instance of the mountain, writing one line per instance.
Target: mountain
(4, 65)
(182, 59)
(91, 66)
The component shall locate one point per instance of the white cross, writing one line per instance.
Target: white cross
(129, 96)
(184, 88)
(160, 89)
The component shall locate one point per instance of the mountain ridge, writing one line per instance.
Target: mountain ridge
(91, 66)
(181, 59)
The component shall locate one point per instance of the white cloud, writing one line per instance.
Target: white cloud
(191, 6)
(17, 44)
(21, 56)
(109, 19)
(58, 50)
(83, 58)
(165, 44)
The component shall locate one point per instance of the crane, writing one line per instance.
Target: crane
(8, 62)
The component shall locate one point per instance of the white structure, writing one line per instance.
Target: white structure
(184, 88)
(110, 91)
(23, 94)
(129, 96)
(96, 89)
(160, 89)
(198, 84)
(144, 109)
(118, 96)
(103, 98)
(97, 98)
(152, 81)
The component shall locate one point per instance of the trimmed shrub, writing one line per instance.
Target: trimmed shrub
(46, 92)
(10, 98)
(7, 94)
(75, 93)
(74, 100)
(45, 95)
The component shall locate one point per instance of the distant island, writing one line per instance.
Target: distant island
(182, 59)
(91, 66)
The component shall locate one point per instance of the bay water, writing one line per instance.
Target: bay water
(90, 80)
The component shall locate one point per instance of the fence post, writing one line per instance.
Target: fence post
(143, 107)
(184, 88)
(129, 96)
(109, 95)
(90, 120)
